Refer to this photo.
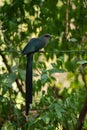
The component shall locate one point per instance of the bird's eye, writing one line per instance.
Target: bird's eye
(47, 35)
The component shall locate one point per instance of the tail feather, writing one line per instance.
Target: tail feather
(29, 82)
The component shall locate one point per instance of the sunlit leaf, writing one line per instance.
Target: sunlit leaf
(73, 40)
(81, 62)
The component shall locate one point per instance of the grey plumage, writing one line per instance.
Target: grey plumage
(34, 45)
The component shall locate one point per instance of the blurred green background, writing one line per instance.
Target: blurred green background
(59, 74)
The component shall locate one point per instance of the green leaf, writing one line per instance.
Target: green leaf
(46, 119)
(22, 74)
(7, 126)
(51, 71)
(58, 111)
(73, 40)
(44, 78)
(35, 75)
(81, 62)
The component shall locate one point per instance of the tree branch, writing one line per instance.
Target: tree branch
(82, 116)
(19, 84)
(67, 19)
(84, 109)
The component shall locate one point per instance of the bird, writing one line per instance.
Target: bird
(33, 46)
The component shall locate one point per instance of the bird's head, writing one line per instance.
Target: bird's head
(45, 38)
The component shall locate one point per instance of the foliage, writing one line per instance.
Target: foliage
(59, 104)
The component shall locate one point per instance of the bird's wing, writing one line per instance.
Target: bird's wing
(29, 47)
(33, 46)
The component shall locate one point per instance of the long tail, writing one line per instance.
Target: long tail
(29, 82)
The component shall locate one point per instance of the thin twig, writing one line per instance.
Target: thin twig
(67, 19)
(58, 51)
